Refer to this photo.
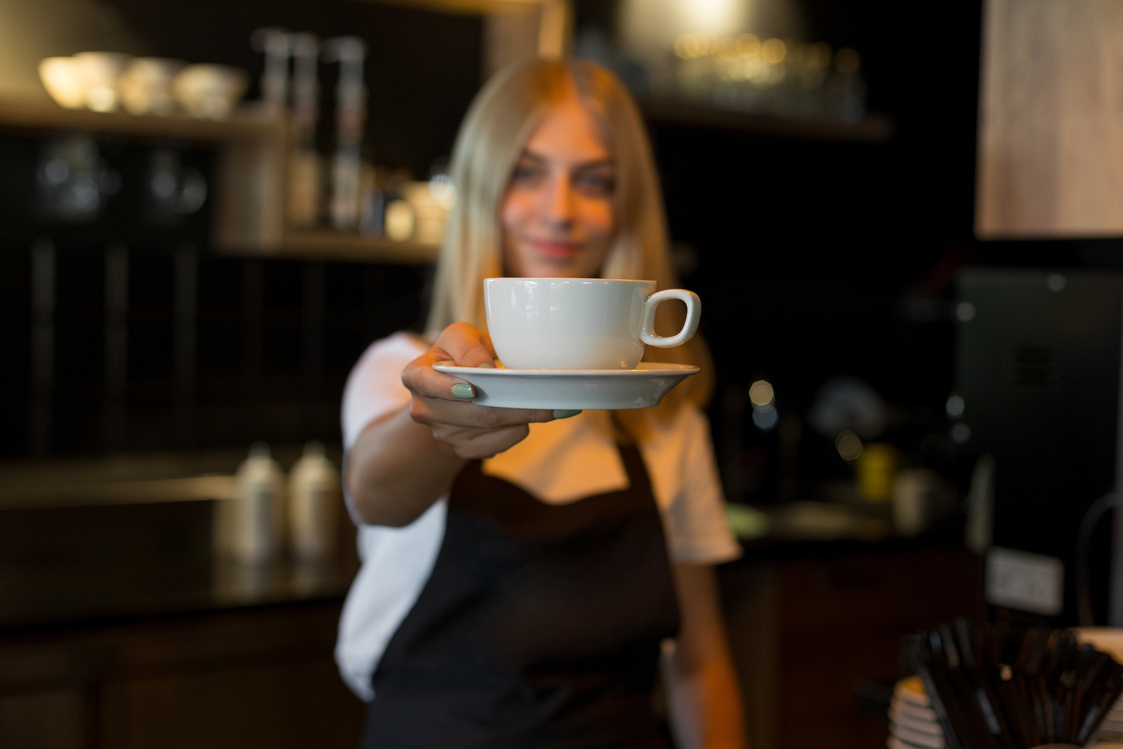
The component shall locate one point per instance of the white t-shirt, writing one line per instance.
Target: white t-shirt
(561, 461)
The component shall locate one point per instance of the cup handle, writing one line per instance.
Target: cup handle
(689, 328)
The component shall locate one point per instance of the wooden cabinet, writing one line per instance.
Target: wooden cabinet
(49, 718)
(816, 638)
(253, 166)
(1050, 149)
(261, 676)
(250, 175)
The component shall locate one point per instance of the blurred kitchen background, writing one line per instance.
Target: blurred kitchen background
(904, 223)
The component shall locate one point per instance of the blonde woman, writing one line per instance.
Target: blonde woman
(525, 572)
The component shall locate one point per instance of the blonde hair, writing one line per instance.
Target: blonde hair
(499, 122)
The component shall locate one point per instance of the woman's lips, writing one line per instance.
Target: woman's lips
(555, 249)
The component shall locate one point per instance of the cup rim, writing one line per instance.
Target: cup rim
(568, 278)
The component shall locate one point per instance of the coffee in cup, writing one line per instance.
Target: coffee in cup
(579, 323)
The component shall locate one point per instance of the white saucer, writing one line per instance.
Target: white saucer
(641, 387)
(913, 723)
(911, 709)
(910, 737)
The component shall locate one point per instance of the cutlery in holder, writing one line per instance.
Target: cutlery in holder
(994, 689)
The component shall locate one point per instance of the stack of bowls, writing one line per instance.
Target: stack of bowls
(86, 80)
(912, 720)
(109, 81)
(209, 91)
(146, 85)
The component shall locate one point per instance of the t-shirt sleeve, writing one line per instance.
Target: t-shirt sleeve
(374, 387)
(693, 501)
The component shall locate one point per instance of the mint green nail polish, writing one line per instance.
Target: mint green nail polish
(565, 413)
(463, 391)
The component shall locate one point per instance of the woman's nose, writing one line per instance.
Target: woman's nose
(558, 204)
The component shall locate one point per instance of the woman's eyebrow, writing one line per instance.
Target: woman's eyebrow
(531, 156)
(541, 159)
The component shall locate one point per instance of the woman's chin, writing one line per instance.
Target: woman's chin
(559, 269)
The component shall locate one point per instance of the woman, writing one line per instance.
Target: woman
(525, 570)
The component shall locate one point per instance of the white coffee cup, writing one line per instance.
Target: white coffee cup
(579, 323)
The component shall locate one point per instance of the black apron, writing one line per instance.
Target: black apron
(540, 626)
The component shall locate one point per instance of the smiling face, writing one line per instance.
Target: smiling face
(558, 213)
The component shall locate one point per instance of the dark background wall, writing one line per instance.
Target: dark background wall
(815, 257)
(203, 350)
(421, 70)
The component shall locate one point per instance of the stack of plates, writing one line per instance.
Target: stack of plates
(1108, 640)
(1111, 730)
(1112, 727)
(912, 721)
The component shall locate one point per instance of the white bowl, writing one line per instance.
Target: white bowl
(210, 91)
(146, 85)
(99, 73)
(62, 81)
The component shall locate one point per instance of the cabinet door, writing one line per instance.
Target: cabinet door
(844, 621)
(288, 704)
(1050, 158)
(255, 678)
(816, 639)
(49, 719)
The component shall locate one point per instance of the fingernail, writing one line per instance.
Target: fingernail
(463, 391)
(565, 413)
(485, 365)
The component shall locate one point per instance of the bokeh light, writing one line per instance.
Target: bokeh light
(849, 446)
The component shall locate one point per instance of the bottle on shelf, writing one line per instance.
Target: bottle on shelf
(314, 505)
(350, 119)
(254, 519)
(305, 179)
(273, 42)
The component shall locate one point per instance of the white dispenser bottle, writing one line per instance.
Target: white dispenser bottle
(257, 514)
(314, 505)
(350, 121)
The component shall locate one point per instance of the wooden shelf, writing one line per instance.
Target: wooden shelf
(873, 128)
(37, 115)
(250, 175)
(324, 244)
(249, 215)
(474, 7)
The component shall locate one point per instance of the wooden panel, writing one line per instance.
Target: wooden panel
(249, 194)
(843, 623)
(815, 636)
(252, 677)
(52, 719)
(1050, 159)
(751, 604)
(286, 704)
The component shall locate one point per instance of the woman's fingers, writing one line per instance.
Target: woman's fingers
(435, 412)
(444, 402)
(459, 343)
(473, 444)
(425, 382)
(464, 345)
(475, 431)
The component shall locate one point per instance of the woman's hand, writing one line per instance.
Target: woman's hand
(443, 402)
(404, 461)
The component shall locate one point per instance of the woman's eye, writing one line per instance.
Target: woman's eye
(596, 184)
(526, 173)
